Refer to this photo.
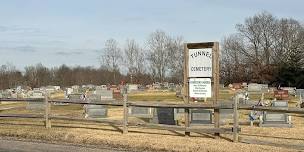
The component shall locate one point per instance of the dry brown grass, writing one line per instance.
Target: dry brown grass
(143, 139)
(137, 138)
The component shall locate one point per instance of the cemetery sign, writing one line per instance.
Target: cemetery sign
(200, 62)
(201, 75)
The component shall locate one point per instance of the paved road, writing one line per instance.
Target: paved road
(26, 146)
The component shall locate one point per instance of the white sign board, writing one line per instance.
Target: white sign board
(200, 62)
(200, 87)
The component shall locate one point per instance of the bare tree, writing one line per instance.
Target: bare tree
(159, 54)
(112, 57)
(134, 57)
(263, 44)
(233, 62)
(9, 76)
(289, 48)
(258, 34)
(176, 56)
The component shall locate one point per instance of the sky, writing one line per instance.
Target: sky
(73, 32)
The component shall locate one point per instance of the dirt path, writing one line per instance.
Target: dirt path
(8, 145)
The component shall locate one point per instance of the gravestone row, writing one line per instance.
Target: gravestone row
(170, 116)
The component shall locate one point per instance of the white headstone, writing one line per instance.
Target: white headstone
(132, 87)
(254, 87)
(105, 94)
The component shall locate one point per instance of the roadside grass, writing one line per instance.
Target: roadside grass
(138, 139)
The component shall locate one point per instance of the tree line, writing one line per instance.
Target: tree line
(161, 60)
(265, 49)
(39, 75)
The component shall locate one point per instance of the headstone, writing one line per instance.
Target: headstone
(116, 91)
(89, 86)
(226, 115)
(237, 86)
(280, 104)
(21, 95)
(200, 116)
(57, 87)
(132, 87)
(244, 85)
(6, 94)
(69, 91)
(94, 98)
(36, 105)
(178, 92)
(75, 96)
(300, 92)
(157, 85)
(281, 94)
(243, 98)
(179, 114)
(102, 87)
(172, 87)
(95, 111)
(50, 89)
(254, 87)
(14, 95)
(36, 89)
(141, 88)
(264, 87)
(37, 94)
(164, 116)
(274, 119)
(76, 89)
(291, 90)
(141, 112)
(104, 94)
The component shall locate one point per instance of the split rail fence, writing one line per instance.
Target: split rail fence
(125, 104)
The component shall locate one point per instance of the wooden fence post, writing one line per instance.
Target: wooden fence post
(235, 119)
(125, 113)
(186, 89)
(47, 111)
(216, 81)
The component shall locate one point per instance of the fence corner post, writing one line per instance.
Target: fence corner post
(235, 119)
(47, 111)
(125, 113)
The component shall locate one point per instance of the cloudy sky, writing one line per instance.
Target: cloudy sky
(73, 32)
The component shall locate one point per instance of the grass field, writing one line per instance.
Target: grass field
(144, 139)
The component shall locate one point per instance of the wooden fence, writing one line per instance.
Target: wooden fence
(126, 104)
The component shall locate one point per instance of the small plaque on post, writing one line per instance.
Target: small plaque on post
(200, 87)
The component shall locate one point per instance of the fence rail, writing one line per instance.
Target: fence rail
(126, 104)
(21, 100)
